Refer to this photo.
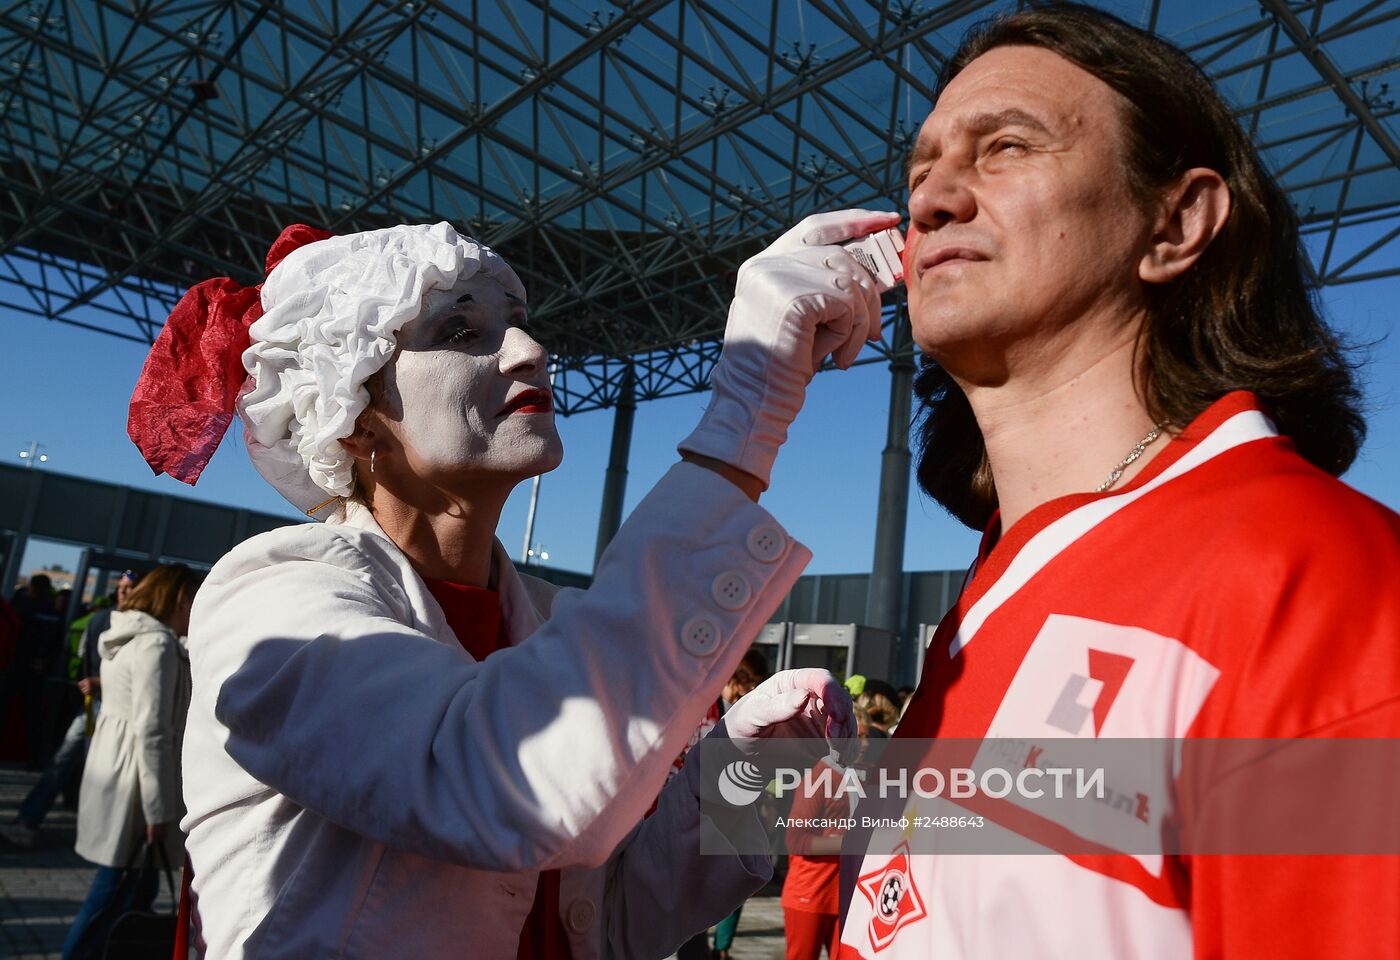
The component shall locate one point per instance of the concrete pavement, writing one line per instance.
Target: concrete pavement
(40, 889)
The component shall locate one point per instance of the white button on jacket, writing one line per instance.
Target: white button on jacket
(581, 913)
(357, 786)
(731, 591)
(766, 543)
(700, 636)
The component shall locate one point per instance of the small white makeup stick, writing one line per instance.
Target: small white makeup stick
(881, 254)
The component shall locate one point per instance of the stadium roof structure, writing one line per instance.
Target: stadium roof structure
(624, 156)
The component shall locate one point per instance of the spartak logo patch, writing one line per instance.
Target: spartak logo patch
(894, 899)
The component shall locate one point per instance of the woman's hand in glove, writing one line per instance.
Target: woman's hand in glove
(802, 298)
(791, 720)
(792, 717)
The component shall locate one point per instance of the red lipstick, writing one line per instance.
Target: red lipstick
(533, 400)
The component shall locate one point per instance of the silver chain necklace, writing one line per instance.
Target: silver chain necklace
(1116, 473)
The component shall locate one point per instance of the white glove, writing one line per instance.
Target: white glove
(792, 720)
(809, 705)
(796, 302)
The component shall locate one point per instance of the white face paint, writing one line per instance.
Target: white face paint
(467, 397)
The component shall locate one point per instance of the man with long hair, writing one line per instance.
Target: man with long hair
(1127, 385)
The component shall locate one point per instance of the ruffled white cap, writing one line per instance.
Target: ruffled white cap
(332, 311)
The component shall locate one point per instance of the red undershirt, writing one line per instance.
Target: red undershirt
(474, 614)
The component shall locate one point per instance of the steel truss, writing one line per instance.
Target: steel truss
(624, 159)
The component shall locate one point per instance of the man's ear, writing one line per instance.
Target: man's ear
(1192, 213)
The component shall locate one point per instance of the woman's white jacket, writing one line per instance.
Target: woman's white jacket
(132, 774)
(359, 787)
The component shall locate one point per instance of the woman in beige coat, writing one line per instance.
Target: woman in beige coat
(131, 784)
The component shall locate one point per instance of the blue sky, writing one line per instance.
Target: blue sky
(68, 389)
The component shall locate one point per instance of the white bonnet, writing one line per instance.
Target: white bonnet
(332, 311)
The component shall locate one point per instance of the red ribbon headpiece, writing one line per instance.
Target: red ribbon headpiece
(184, 401)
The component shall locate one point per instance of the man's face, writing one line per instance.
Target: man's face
(124, 587)
(1021, 222)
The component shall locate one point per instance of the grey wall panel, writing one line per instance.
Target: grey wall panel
(14, 492)
(198, 531)
(139, 523)
(931, 593)
(841, 598)
(798, 605)
(72, 509)
(83, 511)
(851, 592)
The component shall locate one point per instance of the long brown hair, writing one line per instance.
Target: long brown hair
(162, 591)
(1244, 317)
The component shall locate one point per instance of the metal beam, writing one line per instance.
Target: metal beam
(1311, 49)
(630, 16)
(615, 480)
(884, 599)
(727, 120)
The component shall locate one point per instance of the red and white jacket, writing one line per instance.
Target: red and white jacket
(1230, 590)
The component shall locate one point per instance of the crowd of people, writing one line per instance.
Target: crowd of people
(74, 674)
(129, 665)
(31, 629)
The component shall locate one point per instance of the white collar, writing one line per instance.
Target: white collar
(517, 610)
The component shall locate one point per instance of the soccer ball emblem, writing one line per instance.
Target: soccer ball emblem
(890, 895)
